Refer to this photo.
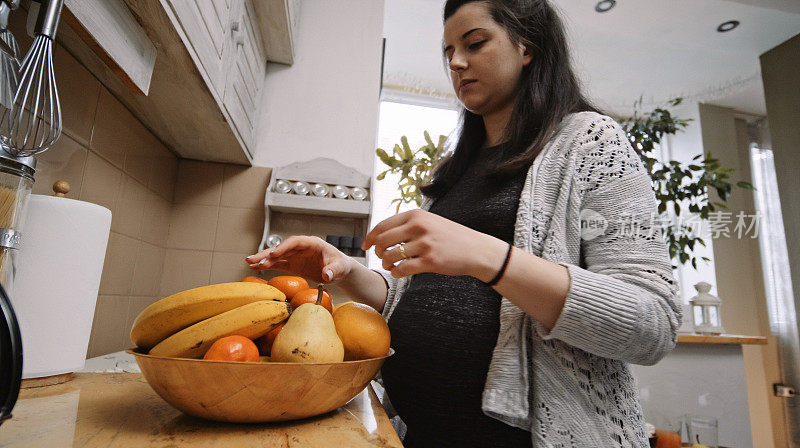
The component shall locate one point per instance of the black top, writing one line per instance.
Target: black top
(445, 328)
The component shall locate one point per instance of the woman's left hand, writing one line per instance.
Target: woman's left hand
(426, 242)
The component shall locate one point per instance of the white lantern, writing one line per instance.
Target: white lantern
(705, 311)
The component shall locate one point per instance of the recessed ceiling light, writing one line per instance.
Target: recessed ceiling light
(605, 5)
(727, 26)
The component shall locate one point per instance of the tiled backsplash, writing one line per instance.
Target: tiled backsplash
(217, 220)
(176, 223)
(109, 158)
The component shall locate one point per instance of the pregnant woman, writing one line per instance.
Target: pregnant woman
(533, 274)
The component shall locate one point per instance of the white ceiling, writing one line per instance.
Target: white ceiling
(650, 48)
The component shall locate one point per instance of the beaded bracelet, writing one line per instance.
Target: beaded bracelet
(499, 275)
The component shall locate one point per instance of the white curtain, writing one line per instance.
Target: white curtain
(777, 277)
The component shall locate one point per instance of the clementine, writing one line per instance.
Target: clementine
(310, 296)
(253, 279)
(289, 284)
(264, 343)
(233, 348)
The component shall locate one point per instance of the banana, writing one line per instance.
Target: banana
(251, 321)
(178, 311)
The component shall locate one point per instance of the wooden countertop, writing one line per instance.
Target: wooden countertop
(121, 410)
(721, 339)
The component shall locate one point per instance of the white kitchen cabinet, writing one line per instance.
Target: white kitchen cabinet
(245, 71)
(278, 19)
(225, 42)
(191, 70)
(205, 29)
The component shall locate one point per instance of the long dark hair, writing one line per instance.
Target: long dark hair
(548, 91)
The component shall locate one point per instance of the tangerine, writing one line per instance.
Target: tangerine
(233, 348)
(310, 296)
(253, 279)
(289, 284)
(264, 343)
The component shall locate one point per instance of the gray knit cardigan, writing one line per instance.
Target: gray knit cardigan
(571, 386)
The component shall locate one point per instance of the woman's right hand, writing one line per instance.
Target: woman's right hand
(306, 256)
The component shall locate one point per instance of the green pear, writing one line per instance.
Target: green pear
(309, 336)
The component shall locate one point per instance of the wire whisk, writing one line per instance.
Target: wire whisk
(33, 124)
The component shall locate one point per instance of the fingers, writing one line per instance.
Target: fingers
(334, 271)
(269, 264)
(392, 237)
(385, 225)
(292, 245)
(408, 267)
(258, 256)
(296, 243)
(399, 253)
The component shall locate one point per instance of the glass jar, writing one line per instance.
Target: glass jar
(16, 182)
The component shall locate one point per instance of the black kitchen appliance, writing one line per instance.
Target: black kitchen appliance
(10, 357)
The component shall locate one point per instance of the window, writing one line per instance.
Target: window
(397, 120)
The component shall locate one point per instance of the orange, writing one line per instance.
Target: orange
(310, 296)
(264, 343)
(233, 348)
(667, 439)
(289, 284)
(362, 330)
(250, 278)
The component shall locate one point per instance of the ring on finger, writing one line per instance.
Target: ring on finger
(403, 251)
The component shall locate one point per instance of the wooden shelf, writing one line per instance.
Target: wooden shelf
(295, 203)
(321, 170)
(721, 339)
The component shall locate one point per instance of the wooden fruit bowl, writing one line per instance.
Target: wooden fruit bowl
(245, 392)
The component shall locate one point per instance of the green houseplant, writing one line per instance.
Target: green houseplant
(678, 187)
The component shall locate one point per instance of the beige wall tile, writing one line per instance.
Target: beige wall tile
(199, 183)
(149, 159)
(102, 183)
(108, 326)
(192, 227)
(184, 269)
(66, 160)
(16, 24)
(229, 267)
(244, 187)
(144, 143)
(163, 175)
(78, 92)
(147, 272)
(130, 208)
(143, 152)
(136, 304)
(156, 219)
(113, 129)
(120, 260)
(239, 229)
(138, 166)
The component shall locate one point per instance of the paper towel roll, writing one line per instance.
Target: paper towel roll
(58, 271)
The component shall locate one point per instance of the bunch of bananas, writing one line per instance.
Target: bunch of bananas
(186, 324)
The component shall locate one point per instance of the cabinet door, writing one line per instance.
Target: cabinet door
(246, 71)
(205, 27)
